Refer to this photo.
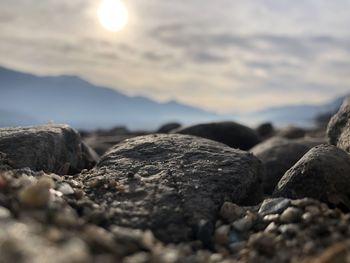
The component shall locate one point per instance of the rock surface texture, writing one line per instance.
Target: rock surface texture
(173, 184)
(278, 155)
(51, 148)
(339, 127)
(230, 133)
(323, 173)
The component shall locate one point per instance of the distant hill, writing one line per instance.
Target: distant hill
(298, 114)
(29, 99)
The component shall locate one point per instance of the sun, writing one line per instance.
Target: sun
(113, 15)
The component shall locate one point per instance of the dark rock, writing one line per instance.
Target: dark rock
(274, 206)
(292, 132)
(51, 148)
(339, 127)
(172, 183)
(278, 155)
(101, 142)
(168, 127)
(323, 174)
(311, 141)
(265, 130)
(230, 133)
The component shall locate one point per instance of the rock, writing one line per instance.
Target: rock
(278, 155)
(231, 212)
(171, 183)
(24, 242)
(338, 129)
(262, 242)
(222, 234)
(66, 189)
(337, 253)
(4, 213)
(312, 141)
(243, 224)
(323, 174)
(168, 127)
(230, 133)
(291, 215)
(51, 148)
(274, 206)
(265, 130)
(292, 132)
(36, 195)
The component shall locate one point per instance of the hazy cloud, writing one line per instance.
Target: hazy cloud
(223, 55)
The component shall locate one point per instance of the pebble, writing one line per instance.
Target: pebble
(262, 242)
(66, 189)
(4, 213)
(274, 206)
(313, 210)
(243, 224)
(289, 230)
(272, 227)
(291, 215)
(231, 212)
(272, 217)
(221, 234)
(36, 195)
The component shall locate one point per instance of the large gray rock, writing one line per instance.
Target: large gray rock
(173, 184)
(323, 173)
(230, 133)
(278, 155)
(339, 127)
(51, 148)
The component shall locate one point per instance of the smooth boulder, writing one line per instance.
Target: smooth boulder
(230, 133)
(51, 148)
(323, 173)
(278, 155)
(173, 184)
(168, 127)
(338, 129)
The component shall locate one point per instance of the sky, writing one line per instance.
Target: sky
(221, 55)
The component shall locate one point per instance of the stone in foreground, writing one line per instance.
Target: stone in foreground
(51, 148)
(173, 184)
(323, 173)
(339, 127)
(230, 133)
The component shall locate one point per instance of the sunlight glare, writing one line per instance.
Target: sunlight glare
(113, 15)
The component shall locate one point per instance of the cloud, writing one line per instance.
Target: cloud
(222, 55)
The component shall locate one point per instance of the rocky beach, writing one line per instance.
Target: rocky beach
(211, 192)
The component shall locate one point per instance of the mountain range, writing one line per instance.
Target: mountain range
(27, 99)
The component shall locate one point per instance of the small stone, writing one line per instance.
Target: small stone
(243, 224)
(272, 217)
(289, 230)
(4, 213)
(221, 234)
(307, 217)
(272, 227)
(262, 242)
(36, 195)
(304, 202)
(231, 212)
(66, 189)
(313, 210)
(234, 237)
(291, 215)
(274, 206)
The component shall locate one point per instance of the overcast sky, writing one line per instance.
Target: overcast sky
(222, 55)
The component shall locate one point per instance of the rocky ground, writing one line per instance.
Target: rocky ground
(215, 192)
